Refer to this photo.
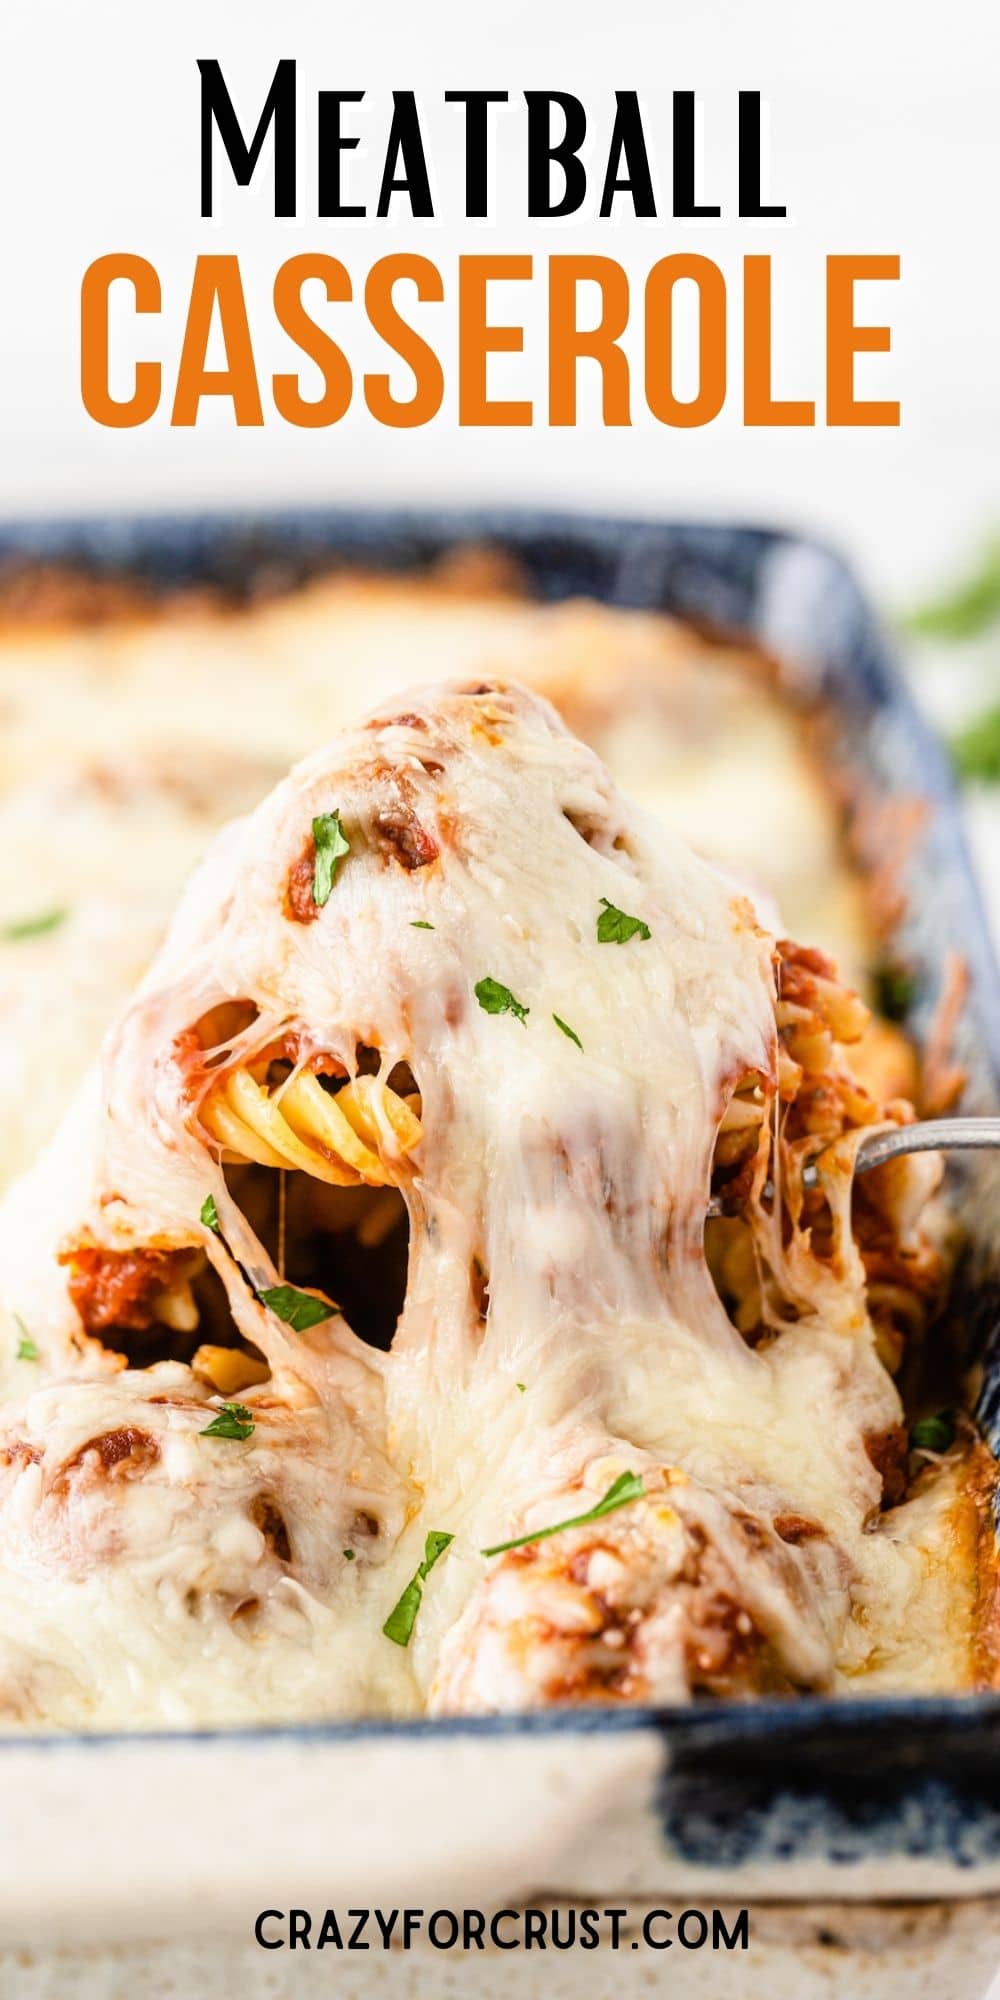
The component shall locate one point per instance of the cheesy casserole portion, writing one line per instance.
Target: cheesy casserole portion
(370, 1353)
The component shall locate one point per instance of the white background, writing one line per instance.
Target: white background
(883, 138)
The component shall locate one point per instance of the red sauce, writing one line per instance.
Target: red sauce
(117, 1288)
(795, 1528)
(400, 833)
(888, 1453)
(122, 1454)
(300, 904)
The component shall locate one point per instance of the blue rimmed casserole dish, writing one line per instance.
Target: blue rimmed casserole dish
(802, 1802)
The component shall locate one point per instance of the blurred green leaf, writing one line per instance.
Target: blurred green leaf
(894, 989)
(971, 607)
(976, 748)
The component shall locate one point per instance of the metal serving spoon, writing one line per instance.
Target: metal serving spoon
(932, 1135)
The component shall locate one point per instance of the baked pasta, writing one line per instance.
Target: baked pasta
(371, 1351)
(134, 725)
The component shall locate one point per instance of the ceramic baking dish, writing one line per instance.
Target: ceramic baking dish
(864, 1836)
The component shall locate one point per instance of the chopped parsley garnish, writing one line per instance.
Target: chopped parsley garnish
(567, 1030)
(933, 1433)
(616, 926)
(496, 999)
(976, 748)
(421, 924)
(628, 1486)
(29, 927)
(233, 1420)
(26, 1349)
(209, 1216)
(331, 844)
(299, 1310)
(399, 1625)
(521, 1385)
(348, 1555)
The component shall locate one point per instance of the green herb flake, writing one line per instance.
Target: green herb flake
(421, 924)
(976, 748)
(331, 845)
(628, 1486)
(567, 1031)
(521, 1385)
(933, 1433)
(232, 1420)
(616, 926)
(399, 1625)
(496, 999)
(26, 1350)
(299, 1310)
(348, 1555)
(31, 927)
(209, 1216)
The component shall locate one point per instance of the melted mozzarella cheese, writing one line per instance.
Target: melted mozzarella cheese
(141, 1581)
(126, 743)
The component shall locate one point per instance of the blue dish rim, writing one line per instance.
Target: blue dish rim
(798, 1719)
(704, 570)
